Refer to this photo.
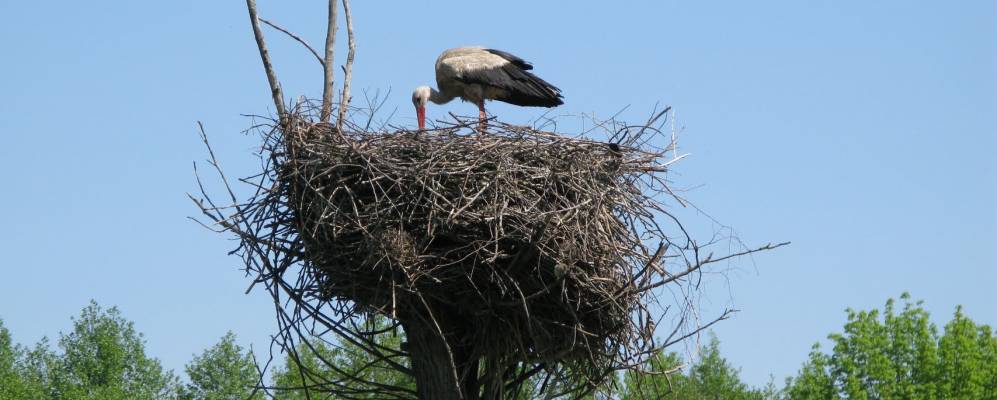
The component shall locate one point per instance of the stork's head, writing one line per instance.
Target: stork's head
(420, 96)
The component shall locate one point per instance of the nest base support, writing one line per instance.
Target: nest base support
(437, 366)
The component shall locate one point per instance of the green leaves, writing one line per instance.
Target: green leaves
(345, 368)
(103, 357)
(814, 380)
(222, 372)
(967, 368)
(12, 386)
(893, 353)
(900, 356)
(711, 377)
(889, 354)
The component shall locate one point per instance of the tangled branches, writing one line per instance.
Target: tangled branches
(505, 255)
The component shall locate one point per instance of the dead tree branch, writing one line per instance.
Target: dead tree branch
(344, 102)
(278, 95)
(330, 57)
(297, 38)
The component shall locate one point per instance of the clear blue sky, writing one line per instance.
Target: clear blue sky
(862, 131)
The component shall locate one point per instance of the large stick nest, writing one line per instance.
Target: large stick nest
(535, 237)
(543, 250)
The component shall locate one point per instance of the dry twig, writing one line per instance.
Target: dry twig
(328, 67)
(344, 102)
(296, 38)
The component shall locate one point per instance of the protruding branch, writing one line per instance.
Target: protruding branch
(330, 56)
(278, 95)
(297, 38)
(344, 102)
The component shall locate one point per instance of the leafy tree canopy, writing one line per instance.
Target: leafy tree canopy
(225, 371)
(710, 377)
(320, 366)
(898, 354)
(12, 385)
(103, 357)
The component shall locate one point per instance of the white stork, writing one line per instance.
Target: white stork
(476, 74)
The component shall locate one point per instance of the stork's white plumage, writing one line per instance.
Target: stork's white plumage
(476, 74)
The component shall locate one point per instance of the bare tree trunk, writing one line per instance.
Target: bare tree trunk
(275, 92)
(494, 384)
(329, 64)
(433, 364)
(467, 369)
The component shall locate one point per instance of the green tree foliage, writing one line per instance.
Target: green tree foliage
(332, 367)
(714, 378)
(335, 367)
(899, 355)
(555, 384)
(711, 377)
(12, 385)
(895, 353)
(223, 372)
(967, 360)
(662, 377)
(36, 370)
(814, 379)
(102, 358)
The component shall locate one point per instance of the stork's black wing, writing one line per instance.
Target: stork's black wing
(519, 62)
(517, 85)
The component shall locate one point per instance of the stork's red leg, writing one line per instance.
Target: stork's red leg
(481, 115)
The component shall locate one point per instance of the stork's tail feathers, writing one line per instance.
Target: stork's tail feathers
(533, 92)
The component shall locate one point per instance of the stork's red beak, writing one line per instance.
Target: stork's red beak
(420, 113)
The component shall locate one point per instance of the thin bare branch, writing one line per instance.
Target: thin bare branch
(275, 91)
(297, 38)
(344, 102)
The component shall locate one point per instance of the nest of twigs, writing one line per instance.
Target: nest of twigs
(531, 237)
(531, 250)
